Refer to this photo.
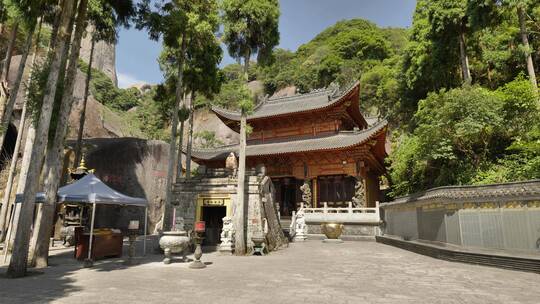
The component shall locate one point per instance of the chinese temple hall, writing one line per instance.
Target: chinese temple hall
(320, 138)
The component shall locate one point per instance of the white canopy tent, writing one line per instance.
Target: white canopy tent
(92, 190)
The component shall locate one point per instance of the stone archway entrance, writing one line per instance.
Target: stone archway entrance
(8, 148)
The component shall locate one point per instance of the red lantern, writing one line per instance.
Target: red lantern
(200, 226)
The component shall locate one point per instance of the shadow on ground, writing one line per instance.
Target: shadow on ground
(56, 281)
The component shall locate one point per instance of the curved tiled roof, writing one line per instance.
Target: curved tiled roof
(315, 100)
(344, 139)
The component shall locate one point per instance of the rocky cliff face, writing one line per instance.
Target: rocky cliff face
(100, 121)
(104, 57)
(205, 120)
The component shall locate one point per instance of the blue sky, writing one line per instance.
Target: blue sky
(300, 21)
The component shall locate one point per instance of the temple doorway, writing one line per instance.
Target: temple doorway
(335, 190)
(213, 217)
(287, 194)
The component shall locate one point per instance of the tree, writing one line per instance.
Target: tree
(521, 6)
(104, 16)
(39, 246)
(457, 132)
(27, 14)
(202, 75)
(177, 23)
(18, 263)
(492, 13)
(448, 19)
(13, 164)
(250, 27)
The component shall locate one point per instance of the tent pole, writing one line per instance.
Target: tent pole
(88, 261)
(145, 226)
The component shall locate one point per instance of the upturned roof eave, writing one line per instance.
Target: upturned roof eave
(220, 152)
(228, 116)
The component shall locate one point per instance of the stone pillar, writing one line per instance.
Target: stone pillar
(255, 213)
(315, 193)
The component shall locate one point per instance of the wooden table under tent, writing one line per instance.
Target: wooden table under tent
(91, 244)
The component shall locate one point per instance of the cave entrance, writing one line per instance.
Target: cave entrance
(8, 148)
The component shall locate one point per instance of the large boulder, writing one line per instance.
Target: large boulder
(206, 120)
(133, 166)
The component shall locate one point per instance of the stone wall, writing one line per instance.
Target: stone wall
(349, 229)
(500, 216)
(187, 191)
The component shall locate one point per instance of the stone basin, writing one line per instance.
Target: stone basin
(173, 242)
(332, 230)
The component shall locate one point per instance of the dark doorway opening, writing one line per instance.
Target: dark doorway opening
(288, 194)
(335, 190)
(9, 146)
(213, 217)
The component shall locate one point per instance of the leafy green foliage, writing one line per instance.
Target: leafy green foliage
(104, 91)
(470, 135)
(207, 139)
(251, 27)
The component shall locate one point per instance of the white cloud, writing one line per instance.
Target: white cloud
(127, 80)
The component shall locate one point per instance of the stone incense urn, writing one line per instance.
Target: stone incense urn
(332, 231)
(174, 242)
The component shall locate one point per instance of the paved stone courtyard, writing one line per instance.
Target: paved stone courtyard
(310, 272)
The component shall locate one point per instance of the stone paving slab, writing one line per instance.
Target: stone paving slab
(309, 272)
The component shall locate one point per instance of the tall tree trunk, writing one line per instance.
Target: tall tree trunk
(29, 126)
(167, 212)
(18, 263)
(525, 41)
(465, 68)
(8, 110)
(14, 159)
(4, 223)
(39, 245)
(82, 117)
(180, 143)
(190, 136)
(56, 24)
(9, 52)
(180, 152)
(240, 221)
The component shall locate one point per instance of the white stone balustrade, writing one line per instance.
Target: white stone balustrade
(343, 215)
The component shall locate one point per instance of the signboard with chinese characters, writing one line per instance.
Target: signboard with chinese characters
(213, 202)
